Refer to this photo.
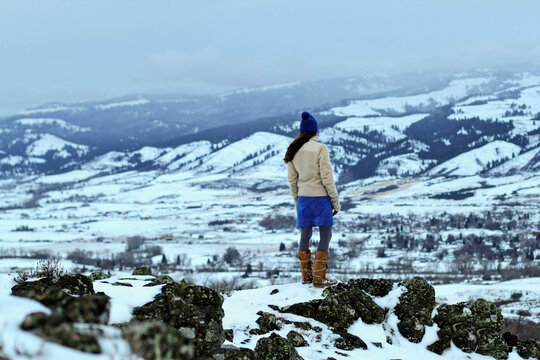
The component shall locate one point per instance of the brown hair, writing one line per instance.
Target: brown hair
(297, 143)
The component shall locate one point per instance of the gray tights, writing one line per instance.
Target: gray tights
(325, 232)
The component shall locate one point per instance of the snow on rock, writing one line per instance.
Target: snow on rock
(124, 298)
(50, 122)
(475, 161)
(48, 142)
(122, 103)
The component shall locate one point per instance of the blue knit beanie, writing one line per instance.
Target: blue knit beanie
(308, 123)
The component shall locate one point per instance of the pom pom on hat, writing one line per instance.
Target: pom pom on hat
(308, 123)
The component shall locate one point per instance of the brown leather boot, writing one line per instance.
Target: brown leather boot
(319, 270)
(305, 266)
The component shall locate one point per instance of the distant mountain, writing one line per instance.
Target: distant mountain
(380, 126)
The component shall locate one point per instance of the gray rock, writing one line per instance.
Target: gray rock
(275, 347)
(189, 307)
(296, 339)
(415, 308)
(142, 270)
(55, 329)
(98, 275)
(155, 340)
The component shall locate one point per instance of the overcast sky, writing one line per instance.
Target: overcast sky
(75, 50)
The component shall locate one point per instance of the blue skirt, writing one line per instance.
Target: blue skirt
(314, 211)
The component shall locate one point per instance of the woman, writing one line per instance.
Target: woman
(315, 195)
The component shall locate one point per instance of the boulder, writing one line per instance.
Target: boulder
(58, 295)
(296, 339)
(340, 308)
(98, 275)
(374, 287)
(349, 342)
(267, 322)
(94, 309)
(415, 308)
(473, 327)
(194, 310)
(55, 329)
(275, 347)
(160, 279)
(229, 352)
(142, 270)
(76, 284)
(155, 340)
(229, 335)
(526, 349)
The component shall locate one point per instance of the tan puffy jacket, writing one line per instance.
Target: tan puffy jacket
(310, 173)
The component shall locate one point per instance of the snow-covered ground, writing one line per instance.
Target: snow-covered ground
(241, 309)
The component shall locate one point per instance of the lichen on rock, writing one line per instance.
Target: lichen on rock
(296, 339)
(340, 308)
(142, 270)
(76, 284)
(155, 340)
(415, 308)
(474, 327)
(349, 342)
(374, 287)
(54, 328)
(196, 311)
(229, 352)
(98, 275)
(275, 347)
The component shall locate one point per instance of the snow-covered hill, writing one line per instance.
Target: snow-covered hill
(466, 125)
(475, 161)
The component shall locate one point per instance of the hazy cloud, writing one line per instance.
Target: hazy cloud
(62, 50)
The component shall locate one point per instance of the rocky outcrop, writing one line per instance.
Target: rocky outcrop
(342, 305)
(71, 298)
(155, 340)
(193, 310)
(228, 352)
(184, 321)
(525, 349)
(415, 308)
(374, 287)
(473, 327)
(56, 329)
(39, 290)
